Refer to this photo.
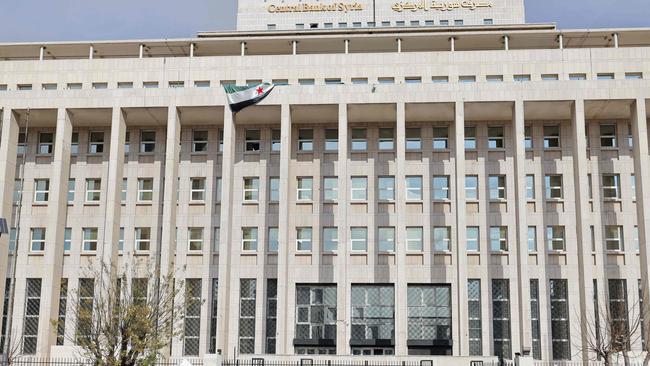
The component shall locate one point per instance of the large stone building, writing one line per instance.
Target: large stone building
(429, 189)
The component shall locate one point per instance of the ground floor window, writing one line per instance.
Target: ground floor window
(372, 351)
(315, 351)
(373, 319)
(501, 318)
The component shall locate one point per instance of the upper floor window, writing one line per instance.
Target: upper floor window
(330, 239)
(471, 187)
(303, 239)
(578, 76)
(251, 189)
(467, 79)
(470, 138)
(89, 240)
(532, 239)
(555, 238)
(608, 136)
(274, 189)
(611, 186)
(330, 189)
(414, 240)
(195, 239)
(37, 240)
(386, 239)
(359, 139)
(386, 188)
(554, 186)
(252, 140)
(306, 139)
(386, 139)
(414, 188)
(530, 187)
(147, 141)
(442, 238)
(276, 140)
(472, 237)
(551, 137)
(521, 77)
(498, 238)
(441, 187)
(413, 139)
(331, 139)
(614, 237)
(41, 190)
(142, 239)
(528, 137)
(359, 238)
(199, 141)
(96, 143)
(497, 187)
(74, 144)
(496, 137)
(45, 143)
(145, 189)
(440, 138)
(359, 189)
(305, 188)
(249, 239)
(21, 149)
(633, 75)
(197, 190)
(272, 240)
(93, 189)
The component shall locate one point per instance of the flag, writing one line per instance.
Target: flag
(240, 97)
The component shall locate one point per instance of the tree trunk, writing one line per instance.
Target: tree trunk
(646, 360)
(626, 357)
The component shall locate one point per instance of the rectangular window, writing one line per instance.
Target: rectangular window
(635, 238)
(359, 239)
(306, 82)
(497, 187)
(414, 240)
(521, 77)
(560, 337)
(31, 317)
(494, 78)
(274, 189)
(90, 240)
(386, 80)
(440, 79)
(96, 142)
(554, 185)
(93, 189)
(386, 139)
(220, 140)
(305, 187)
(359, 81)
(555, 238)
(467, 79)
(359, 189)
(41, 190)
(429, 312)
(440, 188)
(305, 139)
(124, 191)
(618, 306)
(414, 188)
(197, 191)
(63, 302)
(472, 237)
(199, 141)
(147, 142)
(496, 137)
(272, 240)
(470, 138)
(536, 336)
(127, 143)
(577, 76)
(330, 239)
(440, 138)
(252, 142)
(331, 139)
(551, 137)
(176, 84)
(614, 238)
(249, 239)
(276, 140)
(142, 239)
(120, 244)
(251, 189)
(45, 143)
(71, 189)
(474, 317)
(145, 189)
(386, 188)
(271, 314)
(501, 318)
(85, 305)
(195, 239)
(442, 239)
(386, 239)
(633, 75)
(12, 240)
(18, 191)
(74, 144)
(611, 186)
(316, 312)
(359, 140)
(532, 239)
(124, 85)
(608, 136)
(217, 188)
(214, 311)
(330, 189)
(67, 240)
(471, 187)
(373, 313)
(21, 149)
(528, 138)
(530, 187)
(303, 239)
(37, 239)
(413, 139)
(192, 319)
(499, 238)
(247, 297)
(149, 84)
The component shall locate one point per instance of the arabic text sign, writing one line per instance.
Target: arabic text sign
(424, 5)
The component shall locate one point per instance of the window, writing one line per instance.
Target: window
(471, 187)
(414, 239)
(251, 189)
(195, 239)
(635, 237)
(474, 317)
(555, 238)
(274, 189)
(197, 192)
(386, 139)
(386, 80)
(530, 187)
(147, 142)
(124, 85)
(303, 239)
(142, 239)
(554, 187)
(440, 187)
(306, 82)
(458, 22)
(359, 189)
(316, 312)
(145, 189)
(124, 191)
(38, 239)
(273, 240)
(414, 188)
(399, 23)
(90, 240)
(440, 138)
(633, 75)
(472, 237)
(96, 143)
(331, 139)
(497, 187)
(494, 78)
(176, 84)
(359, 140)
(501, 318)
(528, 137)
(330, 239)
(305, 185)
(413, 80)
(149, 84)
(618, 305)
(605, 76)
(247, 298)
(467, 79)
(630, 137)
(611, 186)
(429, 312)
(470, 138)
(386, 188)
(550, 77)
(67, 240)
(532, 239)
(385, 23)
(220, 140)
(120, 244)
(252, 140)
(614, 238)
(305, 139)
(249, 239)
(333, 81)
(329, 25)
(442, 239)
(440, 79)
(499, 239)
(359, 239)
(578, 76)
(199, 141)
(31, 318)
(24, 87)
(330, 189)
(359, 81)
(45, 143)
(413, 139)
(591, 187)
(93, 189)
(560, 337)
(74, 144)
(276, 140)
(21, 149)
(608, 136)
(45, 86)
(100, 85)
(521, 77)
(127, 143)
(386, 239)
(18, 191)
(41, 190)
(495, 137)
(551, 137)
(488, 21)
(63, 299)
(216, 239)
(373, 313)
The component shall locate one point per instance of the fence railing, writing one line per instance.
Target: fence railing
(32, 361)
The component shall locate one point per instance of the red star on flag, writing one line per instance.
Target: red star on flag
(259, 90)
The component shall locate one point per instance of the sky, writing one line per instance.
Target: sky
(81, 20)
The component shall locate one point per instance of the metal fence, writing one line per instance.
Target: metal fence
(29, 361)
(337, 362)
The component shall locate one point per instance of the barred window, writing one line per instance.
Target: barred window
(501, 318)
(32, 313)
(271, 314)
(85, 307)
(373, 312)
(192, 317)
(618, 307)
(474, 317)
(315, 312)
(429, 312)
(560, 320)
(386, 187)
(534, 319)
(247, 295)
(214, 315)
(5, 312)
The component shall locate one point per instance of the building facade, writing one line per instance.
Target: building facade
(469, 191)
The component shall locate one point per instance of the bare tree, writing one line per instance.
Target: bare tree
(122, 324)
(14, 350)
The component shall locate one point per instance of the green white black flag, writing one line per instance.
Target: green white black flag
(240, 97)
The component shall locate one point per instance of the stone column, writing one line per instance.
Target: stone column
(57, 210)
(343, 290)
(401, 322)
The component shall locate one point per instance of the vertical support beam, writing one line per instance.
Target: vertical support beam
(294, 47)
(91, 52)
(583, 232)
(506, 42)
(192, 47)
(561, 41)
(460, 248)
(141, 51)
(521, 242)
(284, 344)
(452, 44)
(243, 48)
(347, 46)
(401, 323)
(41, 54)
(615, 40)
(343, 290)
(57, 210)
(225, 292)
(399, 45)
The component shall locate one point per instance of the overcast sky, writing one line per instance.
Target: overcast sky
(56, 20)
